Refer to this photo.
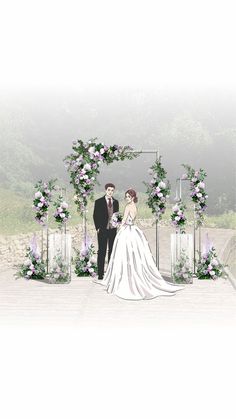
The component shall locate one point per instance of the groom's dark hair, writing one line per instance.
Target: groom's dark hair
(109, 185)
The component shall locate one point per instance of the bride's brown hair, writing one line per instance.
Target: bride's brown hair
(133, 194)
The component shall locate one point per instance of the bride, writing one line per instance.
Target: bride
(132, 273)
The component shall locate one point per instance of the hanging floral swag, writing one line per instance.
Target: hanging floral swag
(178, 217)
(158, 189)
(198, 193)
(42, 199)
(84, 163)
(61, 215)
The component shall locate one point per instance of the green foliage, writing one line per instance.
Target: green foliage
(157, 190)
(85, 262)
(182, 271)
(208, 267)
(33, 267)
(60, 271)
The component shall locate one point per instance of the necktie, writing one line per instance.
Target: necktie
(109, 203)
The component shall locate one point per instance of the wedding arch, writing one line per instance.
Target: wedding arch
(83, 165)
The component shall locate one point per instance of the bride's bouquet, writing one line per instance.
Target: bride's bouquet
(116, 219)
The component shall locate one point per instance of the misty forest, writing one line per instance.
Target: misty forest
(197, 128)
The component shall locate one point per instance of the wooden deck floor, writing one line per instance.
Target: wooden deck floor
(82, 303)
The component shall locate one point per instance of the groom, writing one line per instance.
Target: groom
(103, 210)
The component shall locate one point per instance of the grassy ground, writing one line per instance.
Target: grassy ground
(17, 215)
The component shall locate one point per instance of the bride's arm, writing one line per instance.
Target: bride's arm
(126, 213)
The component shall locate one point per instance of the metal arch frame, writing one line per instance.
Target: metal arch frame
(157, 154)
(179, 197)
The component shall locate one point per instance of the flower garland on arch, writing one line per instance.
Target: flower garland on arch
(84, 163)
(198, 193)
(158, 189)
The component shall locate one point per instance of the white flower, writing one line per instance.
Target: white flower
(62, 215)
(31, 267)
(87, 167)
(214, 262)
(59, 209)
(160, 194)
(29, 273)
(92, 178)
(179, 212)
(194, 179)
(209, 267)
(201, 185)
(64, 205)
(38, 194)
(197, 189)
(91, 270)
(212, 273)
(40, 205)
(85, 176)
(199, 195)
(91, 150)
(162, 185)
(102, 151)
(89, 264)
(27, 262)
(175, 208)
(177, 218)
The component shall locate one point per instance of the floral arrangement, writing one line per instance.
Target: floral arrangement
(208, 266)
(198, 193)
(116, 219)
(61, 214)
(178, 217)
(85, 261)
(182, 271)
(158, 189)
(60, 271)
(42, 198)
(33, 267)
(84, 166)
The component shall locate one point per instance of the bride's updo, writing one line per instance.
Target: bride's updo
(133, 194)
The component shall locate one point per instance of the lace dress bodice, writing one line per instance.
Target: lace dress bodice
(129, 220)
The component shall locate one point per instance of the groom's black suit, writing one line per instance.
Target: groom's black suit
(105, 234)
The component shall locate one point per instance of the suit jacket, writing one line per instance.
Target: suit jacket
(100, 213)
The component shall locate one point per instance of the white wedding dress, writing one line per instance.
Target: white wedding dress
(132, 273)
